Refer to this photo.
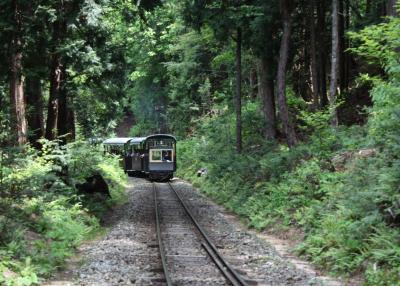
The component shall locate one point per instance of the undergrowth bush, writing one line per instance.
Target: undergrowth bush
(43, 217)
(348, 212)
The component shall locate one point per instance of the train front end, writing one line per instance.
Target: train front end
(161, 163)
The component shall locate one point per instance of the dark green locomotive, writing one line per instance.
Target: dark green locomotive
(154, 155)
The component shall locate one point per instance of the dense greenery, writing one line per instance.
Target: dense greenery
(340, 186)
(293, 107)
(43, 216)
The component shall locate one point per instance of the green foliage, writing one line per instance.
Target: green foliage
(43, 216)
(171, 64)
(379, 45)
(344, 213)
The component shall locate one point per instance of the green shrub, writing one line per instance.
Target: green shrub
(349, 215)
(343, 213)
(44, 217)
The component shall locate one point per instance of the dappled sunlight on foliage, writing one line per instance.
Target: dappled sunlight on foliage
(290, 110)
(44, 217)
(345, 213)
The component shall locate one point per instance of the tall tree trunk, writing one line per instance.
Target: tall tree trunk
(334, 64)
(18, 105)
(368, 7)
(66, 119)
(65, 115)
(62, 115)
(391, 8)
(347, 55)
(253, 83)
(56, 78)
(266, 91)
(321, 11)
(382, 9)
(35, 66)
(71, 123)
(342, 46)
(302, 86)
(288, 127)
(313, 54)
(57, 75)
(238, 97)
(35, 109)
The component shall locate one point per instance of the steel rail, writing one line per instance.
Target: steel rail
(225, 268)
(160, 245)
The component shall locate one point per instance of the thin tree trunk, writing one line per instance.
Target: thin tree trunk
(288, 127)
(391, 8)
(62, 115)
(18, 111)
(238, 97)
(304, 87)
(313, 60)
(368, 7)
(71, 123)
(53, 105)
(321, 10)
(34, 66)
(57, 75)
(65, 115)
(35, 110)
(334, 64)
(342, 46)
(347, 55)
(18, 105)
(266, 91)
(253, 83)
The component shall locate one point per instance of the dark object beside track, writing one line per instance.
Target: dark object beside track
(94, 184)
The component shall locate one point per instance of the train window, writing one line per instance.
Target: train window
(160, 155)
(156, 155)
(167, 155)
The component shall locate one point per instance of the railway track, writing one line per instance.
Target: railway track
(188, 255)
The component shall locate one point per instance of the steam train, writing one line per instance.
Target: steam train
(154, 155)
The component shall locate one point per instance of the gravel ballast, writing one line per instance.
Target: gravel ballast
(128, 254)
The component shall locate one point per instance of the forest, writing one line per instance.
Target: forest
(292, 106)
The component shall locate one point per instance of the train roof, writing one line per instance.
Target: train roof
(117, 141)
(137, 140)
(161, 136)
